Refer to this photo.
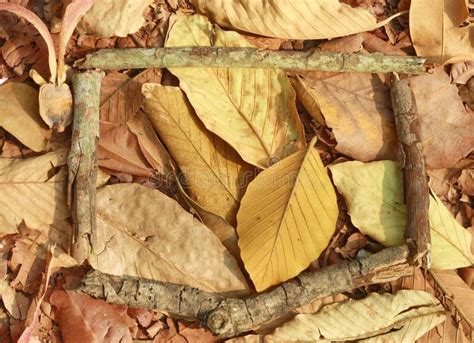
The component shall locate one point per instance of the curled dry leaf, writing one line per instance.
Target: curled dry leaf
(438, 31)
(114, 17)
(28, 192)
(120, 150)
(215, 174)
(374, 196)
(150, 145)
(84, 319)
(20, 117)
(286, 219)
(252, 109)
(15, 302)
(458, 299)
(42, 29)
(358, 108)
(143, 233)
(402, 317)
(303, 19)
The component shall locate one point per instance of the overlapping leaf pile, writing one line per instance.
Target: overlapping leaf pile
(227, 180)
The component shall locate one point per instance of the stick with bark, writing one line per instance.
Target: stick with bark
(228, 317)
(416, 188)
(199, 57)
(82, 161)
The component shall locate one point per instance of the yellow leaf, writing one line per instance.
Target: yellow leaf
(251, 109)
(109, 18)
(215, 174)
(286, 218)
(437, 30)
(20, 116)
(28, 192)
(143, 233)
(290, 19)
(402, 317)
(374, 196)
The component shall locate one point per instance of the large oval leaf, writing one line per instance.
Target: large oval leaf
(403, 317)
(251, 109)
(290, 19)
(374, 196)
(143, 233)
(215, 174)
(286, 218)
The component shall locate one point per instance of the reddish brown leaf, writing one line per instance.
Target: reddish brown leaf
(84, 319)
(184, 332)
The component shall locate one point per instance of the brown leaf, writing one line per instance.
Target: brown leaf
(150, 145)
(84, 319)
(137, 224)
(119, 150)
(121, 98)
(457, 297)
(466, 181)
(358, 109)
(28, 259)
(20, 116)
(15, 302)
(182, 332)
(372, 43)
(32, 190)
(438, 31)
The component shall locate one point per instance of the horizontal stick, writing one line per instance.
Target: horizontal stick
(196, 57)
(228, 317)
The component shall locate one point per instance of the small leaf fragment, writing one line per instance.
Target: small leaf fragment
(20, 117)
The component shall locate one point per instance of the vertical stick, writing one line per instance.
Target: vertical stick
(417, 232)
(82, 161)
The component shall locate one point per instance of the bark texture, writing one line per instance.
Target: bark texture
(251, 58)
(82, 161)
(413, 163)
(228, 317)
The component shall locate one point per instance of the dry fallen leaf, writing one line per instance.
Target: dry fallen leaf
(28, 192)
(303, 19)
(252, 109)
(180, 332)
(114, 17)
(374, 196)
(141, 232)
(119, 148)
(286, 219)
(42, 29)
(150, 145)
(20, 117)
(438, 33)
(358, 109)
(458, 299)
(218, 225)
(16, 303)
(84, 319)
(215, 174)
(402, 317)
